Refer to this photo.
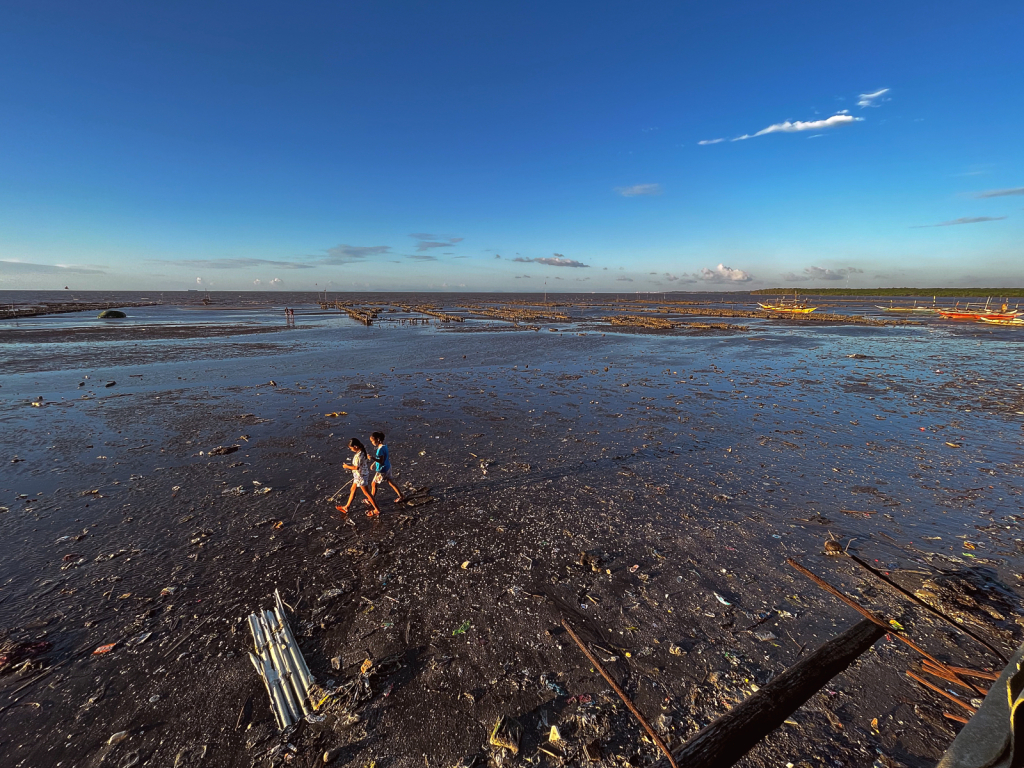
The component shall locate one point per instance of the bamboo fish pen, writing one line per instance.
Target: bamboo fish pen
(421, 309)
(518, 315)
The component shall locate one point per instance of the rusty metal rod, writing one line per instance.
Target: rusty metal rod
(622, 694)
(871, 617)
(911, 596)
(955, 718)
(941, 692)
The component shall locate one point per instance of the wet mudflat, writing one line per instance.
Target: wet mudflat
(647, 487)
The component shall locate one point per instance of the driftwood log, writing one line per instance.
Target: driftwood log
(731, 736)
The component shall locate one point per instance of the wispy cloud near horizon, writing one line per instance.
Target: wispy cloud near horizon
(555, 260)
(821, 273)
(962, 220)
(638, 190)
(11, 266)
(680, 278)
(724, 274)
(428, 241)
(346, 254)
(1001, 192)
(233, 263)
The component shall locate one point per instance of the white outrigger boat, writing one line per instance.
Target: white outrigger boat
(892, 308)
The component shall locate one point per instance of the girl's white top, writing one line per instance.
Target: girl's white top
(361, 473)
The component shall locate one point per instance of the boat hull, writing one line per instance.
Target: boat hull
(1016, 321)
(791, 310)
(952, 315)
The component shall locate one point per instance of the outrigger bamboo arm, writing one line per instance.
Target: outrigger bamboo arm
(269, 675)
(297, 688)
(279, 662)
(283, 670)
(293, 647)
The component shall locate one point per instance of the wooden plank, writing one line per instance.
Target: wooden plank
(735, 733)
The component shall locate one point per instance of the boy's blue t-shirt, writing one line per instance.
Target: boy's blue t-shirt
(383, 463)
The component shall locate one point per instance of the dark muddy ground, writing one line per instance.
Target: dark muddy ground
(688, 468)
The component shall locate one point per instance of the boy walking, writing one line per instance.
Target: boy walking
(382, 467)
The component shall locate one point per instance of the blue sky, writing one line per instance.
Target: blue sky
(409, 146)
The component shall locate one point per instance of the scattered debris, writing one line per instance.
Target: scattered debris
(13, 654)
(506, 734)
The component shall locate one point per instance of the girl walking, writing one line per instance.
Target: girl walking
(360, 468)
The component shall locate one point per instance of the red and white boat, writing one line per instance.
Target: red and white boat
(978, 314)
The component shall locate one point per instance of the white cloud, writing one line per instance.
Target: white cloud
(559, 261)
(257, 281)
(872, 99)
(724, 274)
(840, 118)
(639, 189)
(277, 282)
